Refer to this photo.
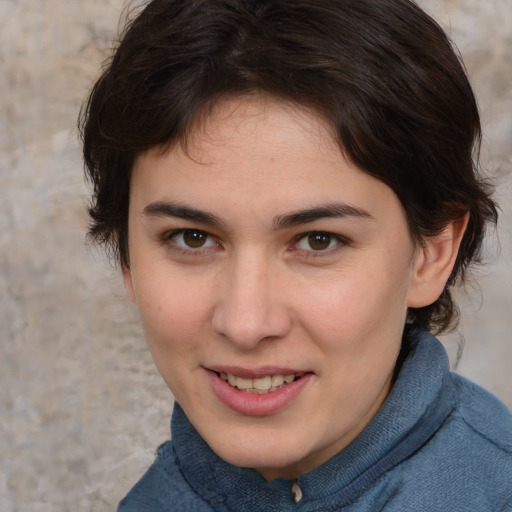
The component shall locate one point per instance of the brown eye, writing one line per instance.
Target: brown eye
(191, 242)
(194, 239)
(319, 241)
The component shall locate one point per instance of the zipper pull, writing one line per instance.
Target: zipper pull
(296, 491)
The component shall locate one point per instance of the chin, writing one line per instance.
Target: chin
(268, 458)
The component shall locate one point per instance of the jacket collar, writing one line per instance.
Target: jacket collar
(418, 404)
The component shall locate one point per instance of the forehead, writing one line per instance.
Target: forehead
(254, 156)
(249, 139)
(272, 124)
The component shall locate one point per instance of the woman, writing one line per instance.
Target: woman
(291, 190)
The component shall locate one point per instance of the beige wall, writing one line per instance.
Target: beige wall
(81, 406)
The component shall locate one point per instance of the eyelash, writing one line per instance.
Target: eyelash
(340, 242)
(184, 248)
(169, 237)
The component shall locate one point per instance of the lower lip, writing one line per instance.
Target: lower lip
(252, 404)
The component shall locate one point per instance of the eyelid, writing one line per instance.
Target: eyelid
(211, 241)
(341, 242)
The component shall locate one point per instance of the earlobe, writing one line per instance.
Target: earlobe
(434, 262)
(128, 284)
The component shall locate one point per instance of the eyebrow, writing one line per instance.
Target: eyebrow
(179, 211)
(328, 211)
(331, 210)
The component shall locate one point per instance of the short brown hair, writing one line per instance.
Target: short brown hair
(381, 72)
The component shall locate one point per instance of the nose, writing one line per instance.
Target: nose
(251, 306)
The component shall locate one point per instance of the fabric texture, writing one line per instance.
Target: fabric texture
(440, 443)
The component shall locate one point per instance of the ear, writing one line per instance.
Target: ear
(128, 284)
(434, 262)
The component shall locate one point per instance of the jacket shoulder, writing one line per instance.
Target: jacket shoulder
(162, 488)
(485, 414)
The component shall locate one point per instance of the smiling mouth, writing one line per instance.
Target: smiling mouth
(260, 385)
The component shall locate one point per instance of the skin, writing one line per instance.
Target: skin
(244, 287)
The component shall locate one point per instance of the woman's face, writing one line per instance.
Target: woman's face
(273, 279)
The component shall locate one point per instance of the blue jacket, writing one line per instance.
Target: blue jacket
(439, 444)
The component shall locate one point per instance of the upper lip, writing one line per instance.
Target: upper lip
(254, 373)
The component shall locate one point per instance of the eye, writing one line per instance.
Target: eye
(188, 239)
(318, 241)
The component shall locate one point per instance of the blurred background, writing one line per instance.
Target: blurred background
(82, 408)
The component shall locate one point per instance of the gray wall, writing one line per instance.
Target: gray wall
(82, 408)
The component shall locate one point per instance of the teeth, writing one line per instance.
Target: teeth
(260, 385)
(277, 380)
(242, 383)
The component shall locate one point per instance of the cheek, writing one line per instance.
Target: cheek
(174, 319)
(356, 303)
(174, 312)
